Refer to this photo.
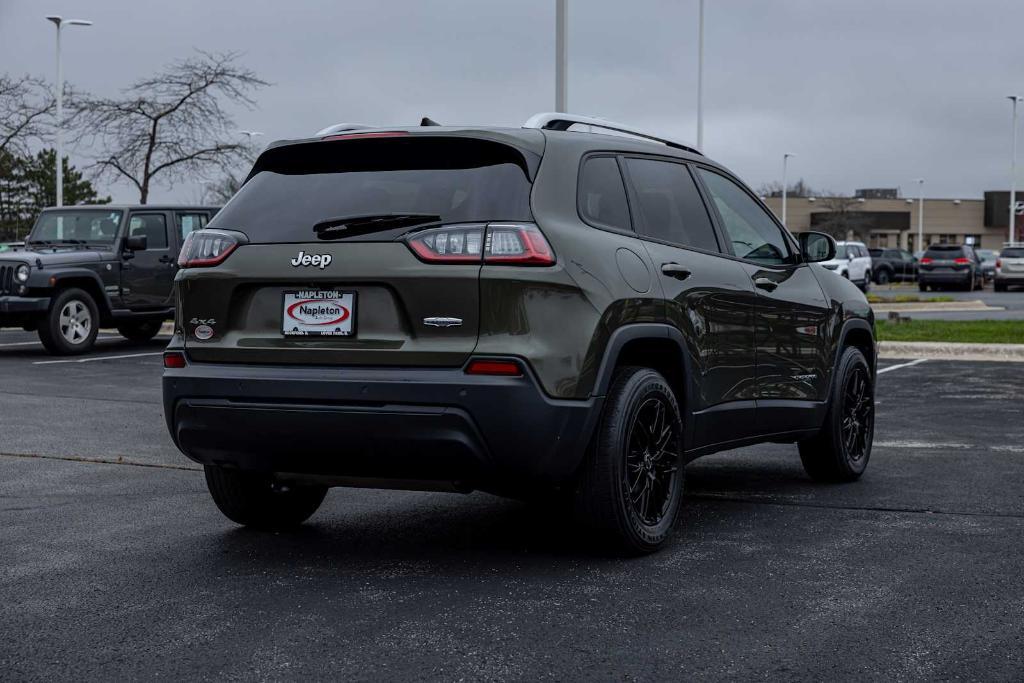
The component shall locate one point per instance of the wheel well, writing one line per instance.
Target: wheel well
(861, 340)
(88, 285)
(662, 355)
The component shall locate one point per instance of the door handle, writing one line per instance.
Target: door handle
(165, 259)
(765, 283)
(675, 270)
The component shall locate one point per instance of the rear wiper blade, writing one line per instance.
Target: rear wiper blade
(343, 226)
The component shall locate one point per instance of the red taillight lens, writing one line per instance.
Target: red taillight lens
(499, 243)
(961, 261)
(205, 248)
(926, 261)
(174, 360)
(999, 263)
(521, 244)
(502, 368)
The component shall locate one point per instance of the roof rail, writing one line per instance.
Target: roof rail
(561, 121)
(341, 128)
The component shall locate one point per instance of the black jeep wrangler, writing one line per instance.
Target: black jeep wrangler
(84, 267)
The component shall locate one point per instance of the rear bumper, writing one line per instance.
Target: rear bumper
(1015, 278)
(947, 277)
(399, 424)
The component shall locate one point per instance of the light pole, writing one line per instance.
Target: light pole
(700, 79)
(1013, 170)
(920, 214)
(561, 55)
(785, 159)
(60, 23)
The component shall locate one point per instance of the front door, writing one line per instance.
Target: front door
(147, 276)
(791, 332)
(708, 297)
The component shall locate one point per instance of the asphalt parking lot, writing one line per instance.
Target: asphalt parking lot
(115, 564)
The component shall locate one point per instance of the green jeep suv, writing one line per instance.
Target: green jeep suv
(535, 312)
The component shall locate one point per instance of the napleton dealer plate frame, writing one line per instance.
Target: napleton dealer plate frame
(345, 299)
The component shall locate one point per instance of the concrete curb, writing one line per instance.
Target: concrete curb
(1004, 353)
(934, 307)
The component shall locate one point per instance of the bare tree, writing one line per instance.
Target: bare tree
(174, 124)
(797, 189)
(844, 219)
(26, 105)
(222, 189)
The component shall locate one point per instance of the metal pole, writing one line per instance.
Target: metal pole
(561, 55)
(785, 189)
(920, 215)
(700, 80)
(60, 123)
(1013, 173)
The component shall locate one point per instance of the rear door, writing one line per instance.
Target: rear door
(386, 231)
(708, 298)
(792, 315)
(147, 277)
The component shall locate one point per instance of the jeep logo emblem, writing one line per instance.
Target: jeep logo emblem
(321, 261)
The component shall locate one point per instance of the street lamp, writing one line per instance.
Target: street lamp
(700, 78)
(785, 159)
(920, 213)
(60, 23)
(561, 55)
(1013, 170)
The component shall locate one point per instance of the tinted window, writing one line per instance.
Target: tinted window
(669, 207)
(294, 187)
(602, 196)
(754, 235)
(889, 253)
(153, 226)
(876, 252)
(187, 222)
(944, 251)
(1012, 252)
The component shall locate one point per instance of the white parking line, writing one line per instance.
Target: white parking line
(39, 343)
(89, 360)
(902, 365)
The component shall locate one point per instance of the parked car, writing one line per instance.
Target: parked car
(1009, 268)
(853, 262)
(893, 265)
(532, 312)
(84, 267)
(11, 246)
(950, 265)
(988, 262)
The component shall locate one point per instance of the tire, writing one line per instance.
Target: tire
(833, 455)
(70, 326)
(639, 434)
(865, 286)
(254, 499)
(883, 277)
(141, 331)
(922, 287)
(998, 287)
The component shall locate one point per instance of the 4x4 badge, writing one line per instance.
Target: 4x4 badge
(321, 261)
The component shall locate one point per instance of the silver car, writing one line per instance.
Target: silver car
(1009, 268)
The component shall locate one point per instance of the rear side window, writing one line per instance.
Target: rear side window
(754, 235)
(151, 225)
(462, 180)
(602, 196)
(189, 222)
(669, 207)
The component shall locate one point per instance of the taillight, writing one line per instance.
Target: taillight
(999, 263)
(498, 243)
(926, 261)
(205, 248)
(501, 368)
(961, 261)
(174, 360)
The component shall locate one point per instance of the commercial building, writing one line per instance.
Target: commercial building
(879, 217)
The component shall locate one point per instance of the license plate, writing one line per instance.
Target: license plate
(319, 313)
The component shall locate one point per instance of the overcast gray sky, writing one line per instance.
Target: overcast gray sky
(866, 93)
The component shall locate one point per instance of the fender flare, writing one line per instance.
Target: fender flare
(844, 332)
(85, 273)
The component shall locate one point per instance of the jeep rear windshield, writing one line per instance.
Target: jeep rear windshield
(1012, 252)
(293, 188)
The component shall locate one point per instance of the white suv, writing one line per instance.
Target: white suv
(853, 262)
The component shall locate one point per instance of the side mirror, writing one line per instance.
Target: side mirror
(817, 247)
(135, 243)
